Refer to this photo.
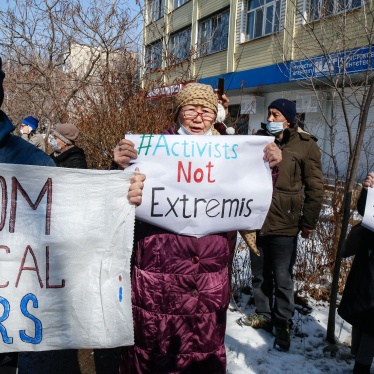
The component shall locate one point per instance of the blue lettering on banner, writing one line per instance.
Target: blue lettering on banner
(168, 147)
(162, 143)
(38, 325)
(4, 334)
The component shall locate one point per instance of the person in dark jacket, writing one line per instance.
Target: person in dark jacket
(357, 304)
(66, 154)
(15, 150)
(180, 284)
(288, 215)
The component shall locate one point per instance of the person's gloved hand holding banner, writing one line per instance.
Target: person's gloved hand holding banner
(198, 185)
(66, 238)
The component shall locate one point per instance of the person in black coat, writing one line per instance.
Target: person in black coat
(357, 304)
(66, 154)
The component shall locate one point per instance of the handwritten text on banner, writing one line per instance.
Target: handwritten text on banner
(198, 185)
(65, 244)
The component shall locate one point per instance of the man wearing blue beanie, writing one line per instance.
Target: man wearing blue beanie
(28, 132)
(291, 211)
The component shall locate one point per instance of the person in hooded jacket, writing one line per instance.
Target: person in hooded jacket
(357, 303)
(15, 150)
(295, 207)
(181, 284)
(66, 154)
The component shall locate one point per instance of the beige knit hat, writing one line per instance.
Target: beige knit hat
(67, 132)
(196, 94)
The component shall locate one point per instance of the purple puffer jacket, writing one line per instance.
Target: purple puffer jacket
(180, 295)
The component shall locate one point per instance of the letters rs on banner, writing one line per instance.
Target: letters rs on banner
(66, 238)
(198, 185)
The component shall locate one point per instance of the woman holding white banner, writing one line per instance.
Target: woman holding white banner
(181, 284)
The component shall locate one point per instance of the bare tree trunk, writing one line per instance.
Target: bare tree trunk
(330, 334)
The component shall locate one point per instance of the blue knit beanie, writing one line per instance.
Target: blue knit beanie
(31, 121)
(286, 107)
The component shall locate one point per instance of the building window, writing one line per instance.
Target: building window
(178, 3)
(180, 45)
(155, 9)
(213, 33)
(153, 56)
(239, 121)
(325, 8)
(262, 18)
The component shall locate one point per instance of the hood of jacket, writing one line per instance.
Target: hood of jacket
(6, 127)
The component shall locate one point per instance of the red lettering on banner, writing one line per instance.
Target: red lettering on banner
(62, 285)
(4, 202)
(198, 174)
(180, 168)
(23, 267)
(16, 186)
(209, 167)
(7, 250)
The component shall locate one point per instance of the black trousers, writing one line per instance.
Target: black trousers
(272, 277)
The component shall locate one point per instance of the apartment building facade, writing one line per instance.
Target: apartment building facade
(266, 49)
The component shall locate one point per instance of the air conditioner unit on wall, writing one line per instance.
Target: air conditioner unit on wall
(306, 103)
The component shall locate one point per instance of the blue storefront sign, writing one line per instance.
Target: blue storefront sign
(347, 62)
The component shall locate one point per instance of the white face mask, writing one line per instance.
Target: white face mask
(183, 131)
(275, 127)
(25, 132)
(221, 114)
(55, 146)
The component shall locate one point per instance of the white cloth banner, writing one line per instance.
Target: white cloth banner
(66, 239)
(198, 185)
(368, 219)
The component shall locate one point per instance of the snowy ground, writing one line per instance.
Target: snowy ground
(251, 351)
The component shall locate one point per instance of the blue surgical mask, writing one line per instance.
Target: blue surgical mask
(54, 145)
(275, 127)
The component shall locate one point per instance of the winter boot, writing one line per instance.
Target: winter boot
(361, 369)
(257, 321)
(282, 338)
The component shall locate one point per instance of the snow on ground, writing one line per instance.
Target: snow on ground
(251, 351)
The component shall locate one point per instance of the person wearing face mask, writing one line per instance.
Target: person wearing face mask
(296, 204)
(66, 154)
(28, 132)
(180, 284)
